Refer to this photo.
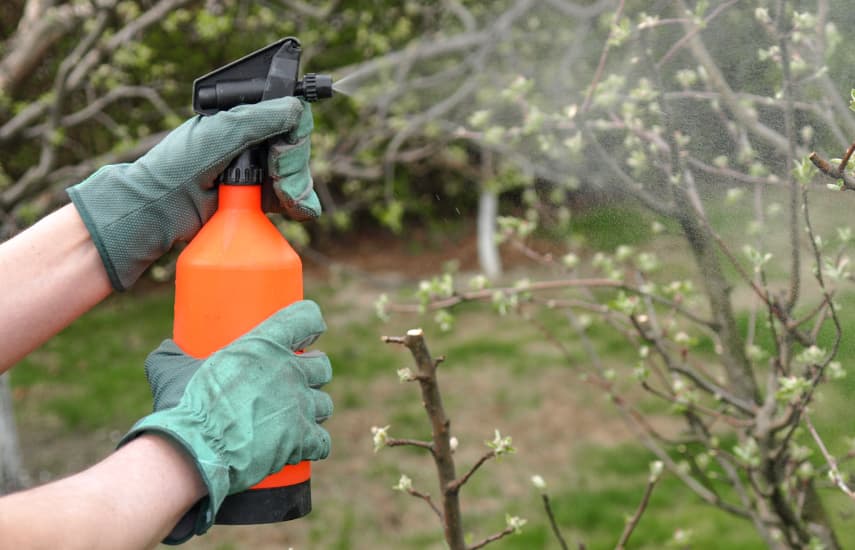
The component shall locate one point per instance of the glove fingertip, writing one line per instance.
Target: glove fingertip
(320, 446)
(323, 406)
(316, 368)
(307, 314)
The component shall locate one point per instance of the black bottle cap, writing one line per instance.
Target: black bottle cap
(246, 169)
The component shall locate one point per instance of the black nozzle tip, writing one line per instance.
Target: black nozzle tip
(315, 86)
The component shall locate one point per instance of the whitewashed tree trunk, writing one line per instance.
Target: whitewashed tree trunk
(12, 475)
(488, 250)
(488, 209)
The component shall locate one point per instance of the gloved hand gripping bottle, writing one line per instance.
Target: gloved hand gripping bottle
(239, 269)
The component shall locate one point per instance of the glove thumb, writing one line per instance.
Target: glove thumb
(168, 370)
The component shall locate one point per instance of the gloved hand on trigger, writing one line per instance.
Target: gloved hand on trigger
(136, 212)
(245, 411)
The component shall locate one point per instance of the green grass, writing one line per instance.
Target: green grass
(608, 226)
(91, 374)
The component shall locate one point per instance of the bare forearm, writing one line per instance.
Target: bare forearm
(130, 500)
(50, 274)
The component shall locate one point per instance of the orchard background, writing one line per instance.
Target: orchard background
(624, 224)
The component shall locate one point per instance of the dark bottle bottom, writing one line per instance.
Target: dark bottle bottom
(266, 505)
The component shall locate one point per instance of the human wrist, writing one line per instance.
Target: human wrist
(181, 462)
(188, 434)
(157, 460)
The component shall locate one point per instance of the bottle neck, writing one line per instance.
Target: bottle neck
(240, 197)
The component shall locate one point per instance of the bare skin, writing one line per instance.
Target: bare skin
(129, 500)
(49, 275)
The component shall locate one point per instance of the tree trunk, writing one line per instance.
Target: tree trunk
(12, 475)
(488, 250)
(739, 373)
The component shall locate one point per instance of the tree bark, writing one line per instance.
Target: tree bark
(740, 376)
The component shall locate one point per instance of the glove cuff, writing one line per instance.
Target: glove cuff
(77, 196)
(189, 433)
(131, 217)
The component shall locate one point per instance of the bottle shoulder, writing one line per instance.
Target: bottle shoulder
(239, 237)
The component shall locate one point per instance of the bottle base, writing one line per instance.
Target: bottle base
(266, 505)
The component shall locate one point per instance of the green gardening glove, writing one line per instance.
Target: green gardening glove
(136, 212)
(244, 412)
(288, 166)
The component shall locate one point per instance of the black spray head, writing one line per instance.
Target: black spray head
(268, 73)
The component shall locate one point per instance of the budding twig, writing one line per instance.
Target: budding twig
(834, 471)
(633, 521)
(553, 523)
(452, 521)
(837, 172)
(426, 497)
(455, 485)
(412, 442)
(493, 538)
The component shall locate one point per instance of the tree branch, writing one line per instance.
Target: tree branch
(552, 522)
(636, 517)
(493, 538)
(442, 454)
(398, 442)
(426, 497)
(457, 484)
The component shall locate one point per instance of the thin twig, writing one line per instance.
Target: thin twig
(455, 485)
(633, 521)
(835, 476)
(396, 442)
(833, 171)
(426, 497)
(602, 63)
(697, 28)
(493, 538)
(552, 522)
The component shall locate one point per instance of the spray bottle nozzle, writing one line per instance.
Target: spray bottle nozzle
(268, 73)
(315, 86)
(222, 96)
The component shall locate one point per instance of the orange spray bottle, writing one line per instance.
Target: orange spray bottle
(239, 269)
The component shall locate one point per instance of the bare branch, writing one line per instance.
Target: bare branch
(426, 497)
(493, 538)
(462, 13)
(636, 517)
(571, 9)
(601, 65)
(98, 105)
(397, 442)
(456, 485)
(39, 29)
(834, 470)
(153, 15)
(697, 28)
(308, 9)
(719, 83)
(833, 171)
(552, 522)
(442, 453)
